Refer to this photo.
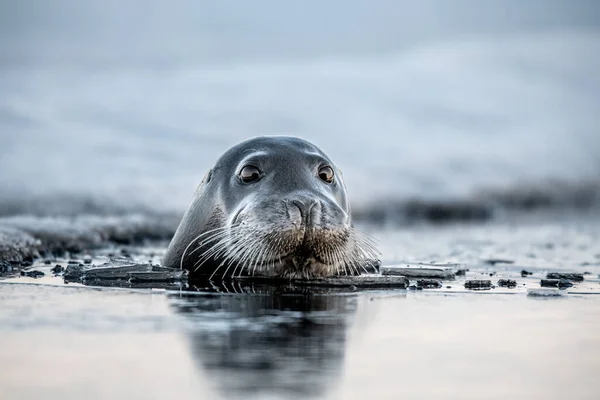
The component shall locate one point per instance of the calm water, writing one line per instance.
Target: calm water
(68, 342)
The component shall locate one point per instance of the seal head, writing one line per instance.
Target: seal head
(271, 206)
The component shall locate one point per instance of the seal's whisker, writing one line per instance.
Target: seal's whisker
(195, 239)
(245, 251)
(220, 238)
(212, 234)
(221, 247)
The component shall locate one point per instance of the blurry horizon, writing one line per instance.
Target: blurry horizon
(161, 34)
(132, 102)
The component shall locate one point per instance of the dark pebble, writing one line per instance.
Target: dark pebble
(478, 284)
(26, 263)
(87, 260)
(461, 272)
(509, 283)
(32, 274)
(47, 262)
(73, 273)
(429, 284)
(5, 267)
(525, 273)
(569, 276)
(57, 269)
(559, 283)
(73, 262)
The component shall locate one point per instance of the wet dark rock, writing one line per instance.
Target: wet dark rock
(559, 283)
(73, 262)
(575, 277)
(494, 261)
(47, 262)
(525, 273)
(26, 263)
(33, 273)
(57, 269)
(429, 284)
(122, 270)
(87, 259)
(5, 267)
(440, 271)
(363, 282)
(419, 210)
(492, 273)
(478, 284)
(461, 272)
(509, 283)
(73, 273)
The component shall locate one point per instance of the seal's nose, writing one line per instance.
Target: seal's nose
(303, 212)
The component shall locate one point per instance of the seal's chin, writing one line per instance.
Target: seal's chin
(300, 266)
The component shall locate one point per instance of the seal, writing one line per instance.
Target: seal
(271, 206)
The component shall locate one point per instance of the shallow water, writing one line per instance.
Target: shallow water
(114, 344)
(71, 341)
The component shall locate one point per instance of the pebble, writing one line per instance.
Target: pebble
(509, 283)
(33, 274)
(429, 284)
(559, 283)
(57, 269)
(575, 277)
(478, 284)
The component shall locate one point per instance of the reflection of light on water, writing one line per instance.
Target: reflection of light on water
(432, 345)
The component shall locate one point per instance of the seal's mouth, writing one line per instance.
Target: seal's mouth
(292, 253)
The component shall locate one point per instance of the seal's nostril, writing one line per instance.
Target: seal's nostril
(295, 212)
(301, 206)
(309, 210)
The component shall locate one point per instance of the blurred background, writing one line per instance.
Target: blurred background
(109, 106)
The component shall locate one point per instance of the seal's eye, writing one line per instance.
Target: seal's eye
(249, 174)
(326, 173)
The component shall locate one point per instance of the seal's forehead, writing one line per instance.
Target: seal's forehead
(273, 146)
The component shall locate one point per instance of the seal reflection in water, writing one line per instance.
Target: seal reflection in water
(271, 206)
(270, 345)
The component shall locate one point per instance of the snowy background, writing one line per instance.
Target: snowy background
(115, 105)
